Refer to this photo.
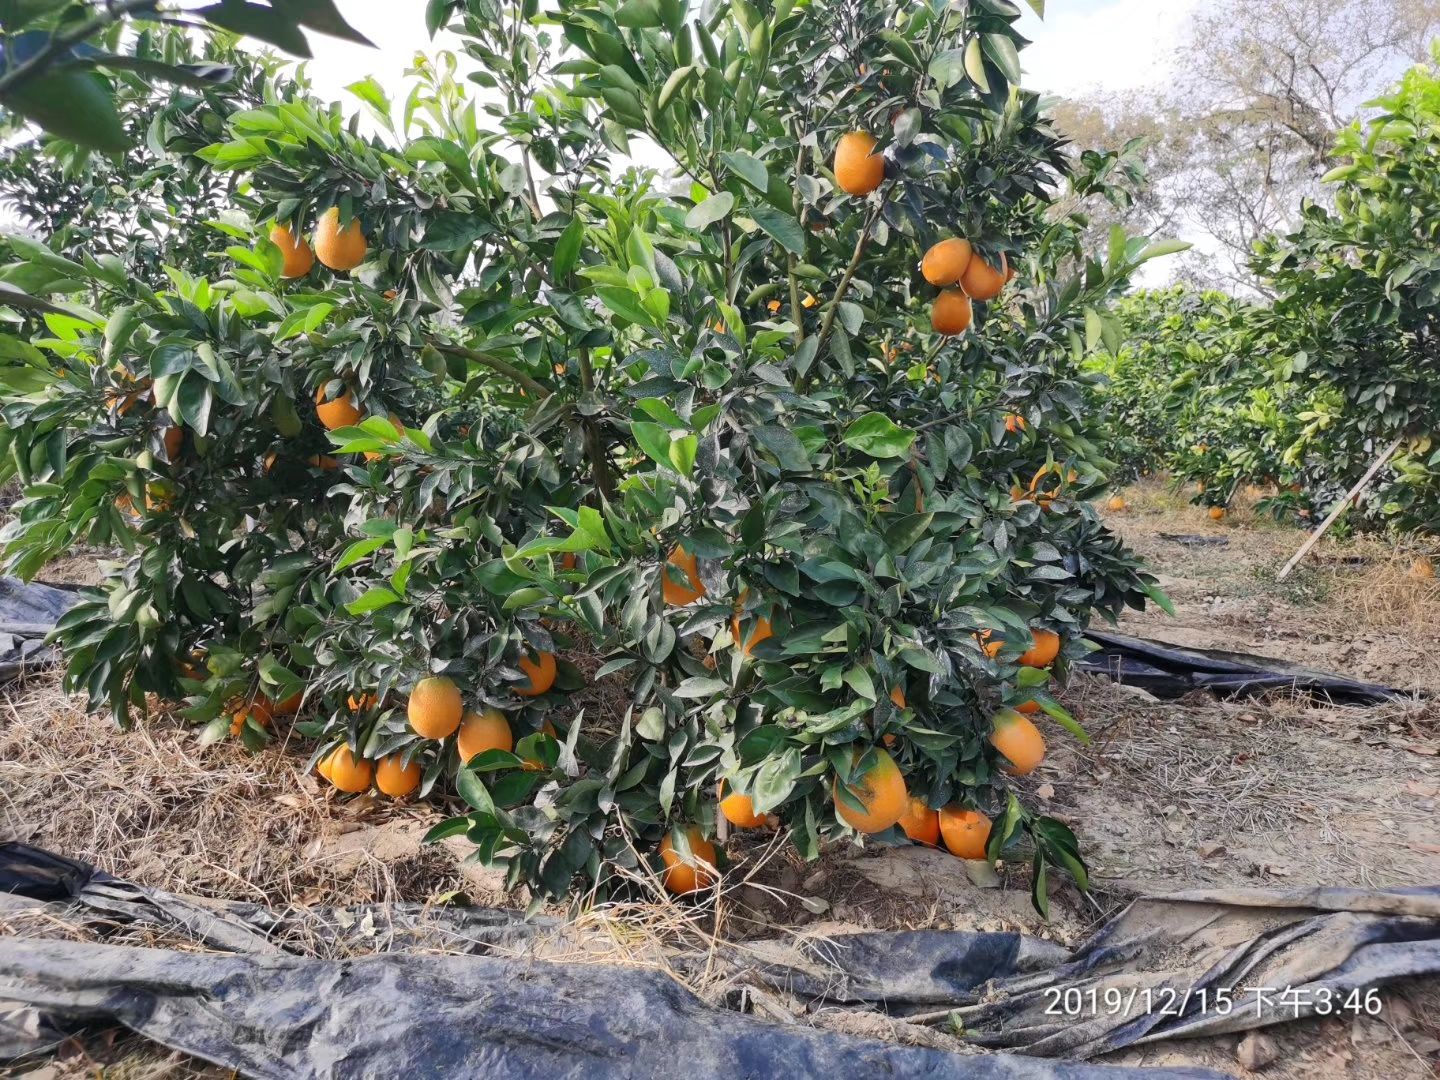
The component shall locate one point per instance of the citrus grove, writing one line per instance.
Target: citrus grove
(1299, 395)
(789, 438)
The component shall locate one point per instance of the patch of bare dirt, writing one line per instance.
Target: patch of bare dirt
(1351, 607)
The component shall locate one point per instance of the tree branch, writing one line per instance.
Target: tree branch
(115, 10)
(495, 364)
(829, 321)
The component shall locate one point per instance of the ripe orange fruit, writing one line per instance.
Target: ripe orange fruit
(897, 695)
(298, 256)
(1422, 568)
(289, 707)
(256, 710)
(541, 671)
(881, 791)
(739, 810)
(339, 249)
(1014, 422)
(951, 313)
(857, 170)
(991, 648)
(1044, 650)
(982, 281)
(760, 632)
(920, 823)
(363, 703)
(346, 771)
(1116, 504)
(689, 873)
(488, 730)
(966, 832)
(342, 412)
(323, 462)
(395, 779)
(435, 707)
(945, 263)
(1019, 740)
(1029, 708)
(1217, 513)
(174, 441)
(675, 593)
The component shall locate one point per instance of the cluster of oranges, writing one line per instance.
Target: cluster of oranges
(951, 265)
(435, 710)
(337, 248)
(679, 594)
(878, 799)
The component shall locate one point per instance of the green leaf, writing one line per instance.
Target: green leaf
(473, 790)
(975, 65)
(376, 598)
(567, 249)
(74, 105)
(877, 435)
(357, 551)
(655, 441)
(262, 23)
(626, 304)
(749, 168)
(323, 16)
(1037, 6)
(947, 67)
(713, 209)
(682, 453)
(781, 227)
(1155, 593)
(1161, 247)
(1004, 55)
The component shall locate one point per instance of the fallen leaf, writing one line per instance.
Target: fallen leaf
(1209, 851)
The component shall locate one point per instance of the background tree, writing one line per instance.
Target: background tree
(1242, 136)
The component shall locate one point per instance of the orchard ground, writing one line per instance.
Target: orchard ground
(1171, 795)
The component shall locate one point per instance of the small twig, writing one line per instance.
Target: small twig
(1340, 507)
(849, 275)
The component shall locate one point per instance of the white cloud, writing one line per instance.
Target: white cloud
(1110, 45)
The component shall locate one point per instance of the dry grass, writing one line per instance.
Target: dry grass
(154, 807)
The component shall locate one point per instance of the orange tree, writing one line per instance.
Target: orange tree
(516, 398)
(1202, 386)
(1355, 288)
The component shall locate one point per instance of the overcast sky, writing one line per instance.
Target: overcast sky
(1118, 44)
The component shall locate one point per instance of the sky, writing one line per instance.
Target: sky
(1080, 45)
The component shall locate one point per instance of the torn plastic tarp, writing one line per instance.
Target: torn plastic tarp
(1196, 963)
(1169, 671)
(28, 612)
(522, 1014)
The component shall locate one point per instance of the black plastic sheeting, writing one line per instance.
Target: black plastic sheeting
(27, 613)
(266, 1013)
(1205, 962)
(1169, 671)
(1159, 970)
